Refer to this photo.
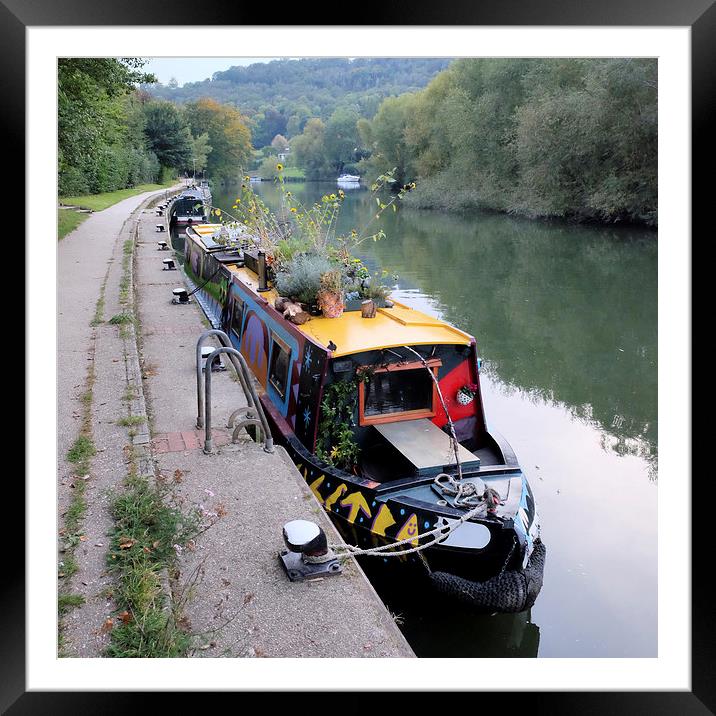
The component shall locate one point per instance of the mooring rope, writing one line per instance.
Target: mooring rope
(384, 550)
(453, 437)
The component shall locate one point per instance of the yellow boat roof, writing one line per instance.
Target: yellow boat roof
(391, 328)
(351, 333)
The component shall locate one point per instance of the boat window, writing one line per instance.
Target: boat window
(237, 316)
(400, 393)
(280, 359)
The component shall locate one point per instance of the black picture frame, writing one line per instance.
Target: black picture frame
(699, 15)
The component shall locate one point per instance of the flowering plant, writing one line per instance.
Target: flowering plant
(469, 389)
(299, 231)
(466, 394)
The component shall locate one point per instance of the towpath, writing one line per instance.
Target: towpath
(228, 587)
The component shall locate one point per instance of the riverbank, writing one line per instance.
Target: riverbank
(442, 193)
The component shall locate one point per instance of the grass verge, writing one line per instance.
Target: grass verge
(132, 420)
(68, 220)
(120, 318)
(65, 602)
(149, 531)
(80, 455)
(97, 202)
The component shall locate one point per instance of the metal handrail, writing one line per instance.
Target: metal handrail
(226, 342)
(251, 396)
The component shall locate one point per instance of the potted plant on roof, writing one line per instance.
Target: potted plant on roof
(300, 279)
(330, 295)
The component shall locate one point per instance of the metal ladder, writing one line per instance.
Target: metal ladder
(253, 414)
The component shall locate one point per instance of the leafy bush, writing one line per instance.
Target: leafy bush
(287, 249)
(301, 279)
(72, 182)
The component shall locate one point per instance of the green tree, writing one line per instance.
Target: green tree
(228, 136)
(168, 135)
(341, 138)
(95, 152)
(269, 123)
(386, 138)
(200, 151)
(309, 150)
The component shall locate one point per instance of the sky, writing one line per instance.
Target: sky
(195, 69)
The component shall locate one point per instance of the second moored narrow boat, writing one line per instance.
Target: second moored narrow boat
(384, 418)
(191, 206)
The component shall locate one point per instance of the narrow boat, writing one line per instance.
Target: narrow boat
(411, 384)
(191, 206)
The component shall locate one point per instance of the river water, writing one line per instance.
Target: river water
(565, 319)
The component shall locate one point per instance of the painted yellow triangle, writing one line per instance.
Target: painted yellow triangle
(340, 490)
(356, 502)
(383, 520)
(409, 529)
(314, 487)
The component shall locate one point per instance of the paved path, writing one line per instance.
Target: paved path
(84, 258)
(90, 266)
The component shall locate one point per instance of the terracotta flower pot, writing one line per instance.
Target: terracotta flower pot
(367, 308)
(330, 303)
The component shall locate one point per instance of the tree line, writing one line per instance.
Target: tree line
(112, 135)
(281, 96)
(569, 138)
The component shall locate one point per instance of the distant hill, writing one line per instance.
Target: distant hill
(283, 94)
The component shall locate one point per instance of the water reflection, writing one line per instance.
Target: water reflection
(434, 627)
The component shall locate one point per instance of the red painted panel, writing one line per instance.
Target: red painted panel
(449, 385)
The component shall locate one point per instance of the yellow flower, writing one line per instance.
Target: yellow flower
(293, 209)
(288, 193)
(279, 167)
(247, 178)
